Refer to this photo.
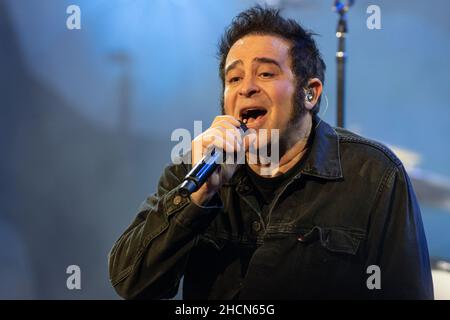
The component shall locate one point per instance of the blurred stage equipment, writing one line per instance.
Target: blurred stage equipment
(341, 7)
(431, 189)
(441, 278)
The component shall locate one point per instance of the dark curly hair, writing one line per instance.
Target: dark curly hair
(307, 62)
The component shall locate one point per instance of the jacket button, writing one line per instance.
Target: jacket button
(301, 238)
(177, 200)
(256, 226)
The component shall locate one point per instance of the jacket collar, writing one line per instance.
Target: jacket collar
(323, 160)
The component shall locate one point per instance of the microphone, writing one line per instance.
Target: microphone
(202, 170)
(342, 7)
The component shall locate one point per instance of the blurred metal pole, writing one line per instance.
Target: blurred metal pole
(341, 32)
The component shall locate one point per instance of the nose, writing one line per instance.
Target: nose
(248, 88)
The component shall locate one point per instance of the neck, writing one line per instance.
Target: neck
(292, 147)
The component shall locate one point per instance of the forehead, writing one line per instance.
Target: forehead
(252, 46)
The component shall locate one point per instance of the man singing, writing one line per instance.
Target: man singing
(337, 217)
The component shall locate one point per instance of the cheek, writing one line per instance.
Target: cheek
(282, 112)
(283, 93)
(227, 101)
(282, 97)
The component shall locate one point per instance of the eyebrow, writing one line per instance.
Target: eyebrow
(257, 59)
(232, 66)
(267, 60)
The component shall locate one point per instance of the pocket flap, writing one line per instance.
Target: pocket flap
(333, 239)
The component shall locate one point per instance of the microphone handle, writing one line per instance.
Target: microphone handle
(199, 174)
(202, 171)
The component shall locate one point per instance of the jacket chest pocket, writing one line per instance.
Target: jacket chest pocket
(330, 241)
(309, 263)
(329, 261)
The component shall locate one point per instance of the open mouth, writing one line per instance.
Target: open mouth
(251, 115)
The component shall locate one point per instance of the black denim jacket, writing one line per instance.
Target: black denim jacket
(350, 206)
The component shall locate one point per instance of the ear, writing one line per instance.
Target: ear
(316, 86)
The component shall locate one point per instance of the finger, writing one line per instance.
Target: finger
(215, 178)
(228, 118)
(234, 121)
(227, 135)
(217, 141)
(236, 132)
(228, 125)
(197, 149)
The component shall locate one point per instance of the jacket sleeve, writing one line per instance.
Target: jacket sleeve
(396, 241)
(149, 258)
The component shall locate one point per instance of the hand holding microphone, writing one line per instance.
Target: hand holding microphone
(204, 180)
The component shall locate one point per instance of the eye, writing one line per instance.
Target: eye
(266, 75)
(234, 79)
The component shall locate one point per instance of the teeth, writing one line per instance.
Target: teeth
(249, 116)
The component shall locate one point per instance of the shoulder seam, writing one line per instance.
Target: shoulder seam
(374, 144)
